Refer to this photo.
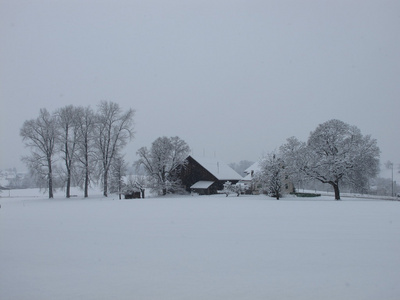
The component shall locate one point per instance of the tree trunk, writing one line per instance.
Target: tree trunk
(67, 161)
(119, 184)
(50, 180)
(105, 184)
(86, 175)
(164, 190)
(336, 189)
(68, 184)
(86, 184)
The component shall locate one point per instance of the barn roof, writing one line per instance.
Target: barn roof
(218, 168)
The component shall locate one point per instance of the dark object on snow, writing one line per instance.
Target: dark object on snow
(132, 194)
(306, 195)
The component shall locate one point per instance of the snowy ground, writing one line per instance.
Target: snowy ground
(204, 247)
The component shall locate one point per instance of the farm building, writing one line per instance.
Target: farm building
(206, 176)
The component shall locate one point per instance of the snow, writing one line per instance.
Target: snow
(198, 247)
(256, 167)
(202, 185)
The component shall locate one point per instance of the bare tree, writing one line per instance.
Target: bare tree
(117, 172)
(40, 135)
(86, 121)
(161, 162)
(335, 153)
(114, 128)
(69, 134)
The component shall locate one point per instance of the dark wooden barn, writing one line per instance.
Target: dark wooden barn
(206, 175)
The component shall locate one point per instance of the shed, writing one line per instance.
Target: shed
(202, 187)
(132, 194)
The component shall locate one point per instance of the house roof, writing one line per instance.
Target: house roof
(254, 167)
(218, 168)
(202, 185)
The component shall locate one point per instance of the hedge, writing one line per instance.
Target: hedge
(306, 195)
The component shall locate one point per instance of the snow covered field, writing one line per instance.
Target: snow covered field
(204, 247)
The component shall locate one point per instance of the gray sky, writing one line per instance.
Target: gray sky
(231, 78)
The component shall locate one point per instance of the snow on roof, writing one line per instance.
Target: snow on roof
(254, 167)
(202, 185)
(218, 168)
(248, 177)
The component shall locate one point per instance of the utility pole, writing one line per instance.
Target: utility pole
(392, 182)
(389, 165)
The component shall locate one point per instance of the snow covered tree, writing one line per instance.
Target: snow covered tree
(292, 153)
(67, 140)
(114, 128)
(40, 136)
(86, 121)
(271, 175)
(117, 172)
(161, 162)
(230, 188)
(335, 153)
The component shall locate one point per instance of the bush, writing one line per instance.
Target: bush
(305, 195)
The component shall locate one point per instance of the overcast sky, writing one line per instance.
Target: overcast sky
(233, 79)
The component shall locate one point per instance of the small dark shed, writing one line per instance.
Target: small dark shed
(132, 194)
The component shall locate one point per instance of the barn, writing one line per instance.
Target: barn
(206, 176)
